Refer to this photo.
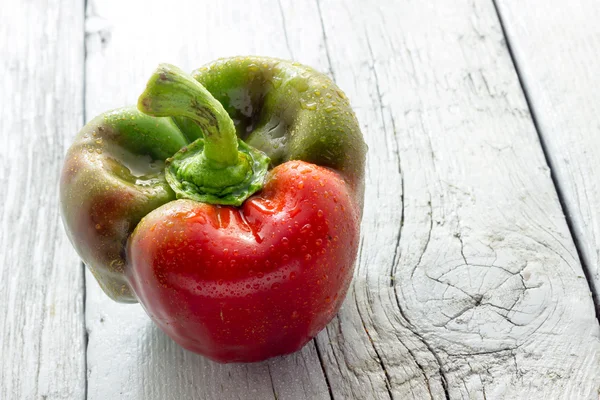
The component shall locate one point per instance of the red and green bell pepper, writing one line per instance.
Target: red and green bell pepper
(228, 203)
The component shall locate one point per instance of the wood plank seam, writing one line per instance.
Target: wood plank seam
(86, 332)
(557, 185)
(321, 362)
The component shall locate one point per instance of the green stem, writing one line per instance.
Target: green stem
(218, 168)
(173, 93)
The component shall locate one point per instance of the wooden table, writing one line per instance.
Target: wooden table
(480, 249)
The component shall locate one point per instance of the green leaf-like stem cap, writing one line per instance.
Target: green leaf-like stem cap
(217, 168)
(190, 179)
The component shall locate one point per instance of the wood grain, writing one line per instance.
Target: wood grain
(42, 337)
(468, 283)
(468, 280)
(557, 57)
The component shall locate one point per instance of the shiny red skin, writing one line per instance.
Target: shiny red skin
(245, 284)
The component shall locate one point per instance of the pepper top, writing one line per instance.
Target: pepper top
(217, 168)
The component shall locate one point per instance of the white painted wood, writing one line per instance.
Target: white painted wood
(468, 284)
(557, 55)
(42, 337)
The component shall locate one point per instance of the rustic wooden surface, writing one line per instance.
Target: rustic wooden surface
(469, 283)
(42, 336)
(558, 65)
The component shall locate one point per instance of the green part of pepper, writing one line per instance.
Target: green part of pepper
(112, 177)
(114, 173)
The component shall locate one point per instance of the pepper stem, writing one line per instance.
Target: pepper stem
(218, 168)
(171, 92)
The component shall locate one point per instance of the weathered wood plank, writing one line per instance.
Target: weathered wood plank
(42, 337)
(469, 284)
(129, 358)
(556, 52)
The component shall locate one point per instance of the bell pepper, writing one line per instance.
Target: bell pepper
(228, 203)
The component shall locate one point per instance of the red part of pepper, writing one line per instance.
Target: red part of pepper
(248, 283)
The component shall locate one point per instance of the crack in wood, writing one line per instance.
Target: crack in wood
(411, 328)
(462, 247)
(396, 255)
(427, 241)
(558, 187)
(388, 379)
(272, 384)
(284, 27)
(325, 41)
